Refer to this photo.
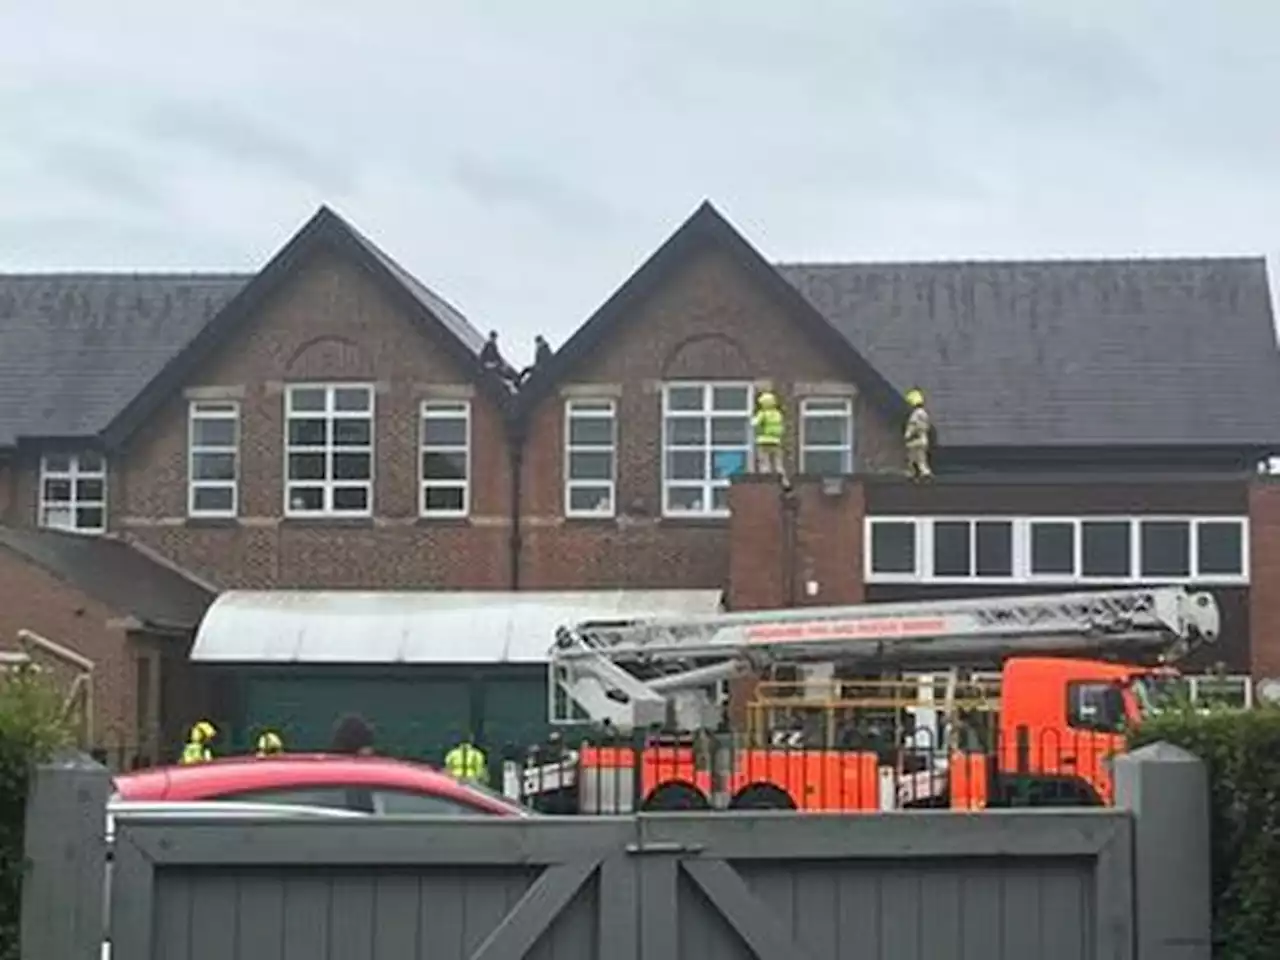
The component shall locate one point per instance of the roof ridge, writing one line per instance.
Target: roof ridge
(1031, 262)
(396, 266)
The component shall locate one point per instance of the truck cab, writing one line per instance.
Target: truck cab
(1061, 720)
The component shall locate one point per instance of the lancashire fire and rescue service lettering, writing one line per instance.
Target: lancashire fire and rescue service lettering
(829, 629)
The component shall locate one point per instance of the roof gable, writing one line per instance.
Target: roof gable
(1068, 353)
(705, 228)
(76, 348)
(324, 231)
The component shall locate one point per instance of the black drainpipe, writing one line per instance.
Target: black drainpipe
(790, 512)
(516, 438)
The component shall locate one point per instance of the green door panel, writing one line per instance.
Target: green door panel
(513, 710)
(413, 717)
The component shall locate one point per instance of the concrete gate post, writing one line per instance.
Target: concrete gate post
(63, 893)
(1166, 789)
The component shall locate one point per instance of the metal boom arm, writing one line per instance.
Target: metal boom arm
(631, 673)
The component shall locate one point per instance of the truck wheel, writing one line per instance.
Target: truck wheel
(675, 796)
(762, 796)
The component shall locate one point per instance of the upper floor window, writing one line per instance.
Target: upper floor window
(329, 450)
(589, 458)
(73, 492)
(826, 436)
(706, 439)
(446, 458)
(214, 454)
(1058, 549)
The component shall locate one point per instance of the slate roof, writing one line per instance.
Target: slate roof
(114, 573)
(84, 352)
(1068, 353)
(75, 348)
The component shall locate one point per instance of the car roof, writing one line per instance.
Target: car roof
(295, 771)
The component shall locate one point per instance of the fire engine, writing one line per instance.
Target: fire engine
(1074, 670)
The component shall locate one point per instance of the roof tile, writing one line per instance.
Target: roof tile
(1069, 353)
(75, 348)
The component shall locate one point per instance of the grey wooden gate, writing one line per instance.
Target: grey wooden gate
(922, 886)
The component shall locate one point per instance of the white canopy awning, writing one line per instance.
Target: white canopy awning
(424, 627)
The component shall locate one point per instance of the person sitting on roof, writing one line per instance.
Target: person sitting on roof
(490, 357)
(541, 350)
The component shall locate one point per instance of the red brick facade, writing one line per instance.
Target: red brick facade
(709, 322)
(1264, 599)
(32, 599)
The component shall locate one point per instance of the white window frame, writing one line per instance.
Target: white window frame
(927, 559)
(328, 484)
(204, 410)
(1021, 550)
(1245, 575)
(72, 475)
(589, 408)
(708, 485)
(869, 526)
(1077, 549)
(444, 410)
(809, 408)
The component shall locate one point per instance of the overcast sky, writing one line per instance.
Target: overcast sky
(523, 158)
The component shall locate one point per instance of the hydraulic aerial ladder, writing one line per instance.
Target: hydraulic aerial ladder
(661, 672)
(669, 673)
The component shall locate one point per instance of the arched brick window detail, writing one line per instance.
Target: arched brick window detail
(325, 357)
(708, 356)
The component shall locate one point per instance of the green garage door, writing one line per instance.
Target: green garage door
(513, 706)
(414, 717)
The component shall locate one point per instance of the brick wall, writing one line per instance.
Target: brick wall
(708, 322)
(32, 599)
(1264, 592)
(331, 323)
(825, 524)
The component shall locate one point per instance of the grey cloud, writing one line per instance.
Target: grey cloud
(234, 135)
(1030, 64)
(532, 156)
(75, 241)
(518, 182)
(109, 173)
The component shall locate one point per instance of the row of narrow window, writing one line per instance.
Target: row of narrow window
(1096, 549)
(329, 455)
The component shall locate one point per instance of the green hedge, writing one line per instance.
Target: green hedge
(1242, 750)
(31, 730)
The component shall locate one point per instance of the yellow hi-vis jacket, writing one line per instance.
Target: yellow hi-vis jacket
(195, 752)
(768, 425)
(466, 761)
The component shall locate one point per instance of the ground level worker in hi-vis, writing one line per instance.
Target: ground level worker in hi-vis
(467, 762)
(270, 744)
(197, 749)
(769, 428)
(917, 436)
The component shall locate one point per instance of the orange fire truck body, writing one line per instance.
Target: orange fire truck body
(1045, 738)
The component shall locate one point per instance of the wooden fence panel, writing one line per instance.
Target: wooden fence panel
(655, 887)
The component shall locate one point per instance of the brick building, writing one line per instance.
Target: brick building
(326, 423)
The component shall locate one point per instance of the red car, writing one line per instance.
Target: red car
(373, 785)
